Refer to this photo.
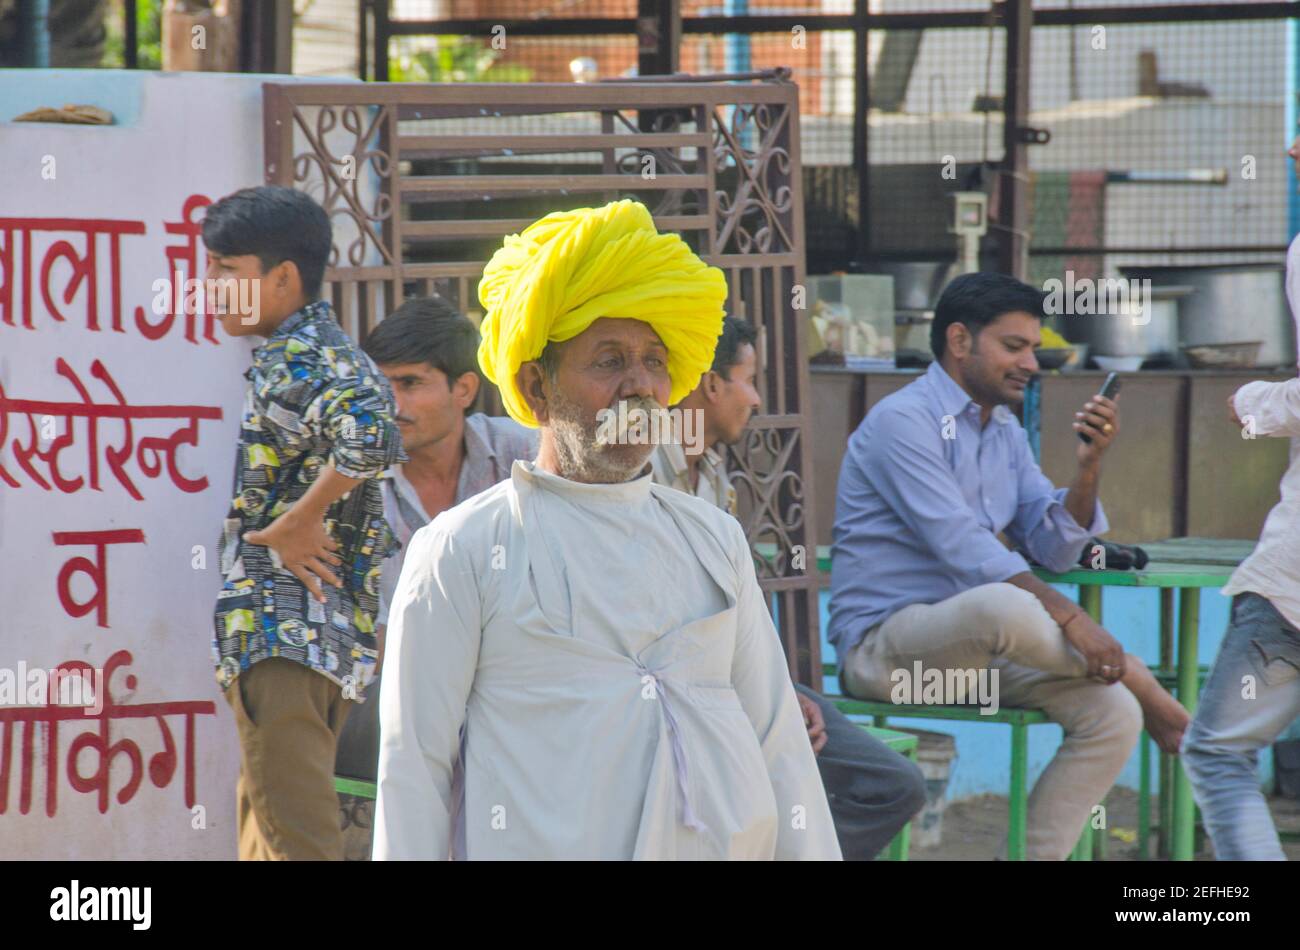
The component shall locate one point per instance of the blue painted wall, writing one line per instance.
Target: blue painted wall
(117, 90)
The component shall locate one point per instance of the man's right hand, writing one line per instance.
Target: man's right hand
(1103, 652)
(813, 721)
(305, 548)
(1232, 411)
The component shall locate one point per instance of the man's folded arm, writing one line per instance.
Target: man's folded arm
(761, 679)
(1273, 407)
(430, 657)
(353, 415)
(906, 465)
(357, 418)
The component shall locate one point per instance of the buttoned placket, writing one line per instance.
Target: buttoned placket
(972, 413)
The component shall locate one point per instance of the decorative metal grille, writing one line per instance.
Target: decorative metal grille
(422, 181)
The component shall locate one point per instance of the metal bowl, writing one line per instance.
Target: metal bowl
(1224, 355)
(1061, 357)
(1118, 364)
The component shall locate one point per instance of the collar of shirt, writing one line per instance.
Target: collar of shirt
(406, 505)
(477, 464)
(636, 489)
(480, 453)
(955, 401)
(295, 321)
(480, 469)
(673, 456)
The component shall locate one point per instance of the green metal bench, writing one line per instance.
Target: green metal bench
(1091, 841)
(1018, 719)
(905, 744)
(354, 786)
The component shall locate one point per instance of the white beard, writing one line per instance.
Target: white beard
(582, 458)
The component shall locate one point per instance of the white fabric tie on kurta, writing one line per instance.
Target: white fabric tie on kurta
(689, 818)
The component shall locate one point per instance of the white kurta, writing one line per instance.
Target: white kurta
(1273, 568)
(623, 691)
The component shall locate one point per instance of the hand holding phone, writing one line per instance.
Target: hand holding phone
(1109, 390)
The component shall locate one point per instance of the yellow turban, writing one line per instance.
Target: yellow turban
(571, 268)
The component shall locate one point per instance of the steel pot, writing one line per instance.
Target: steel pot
(1147, 328)
(917, 284)
(1232, 304)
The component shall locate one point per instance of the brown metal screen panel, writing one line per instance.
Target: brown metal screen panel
(422, 181)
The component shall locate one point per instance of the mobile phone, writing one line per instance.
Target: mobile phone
(1108, 389)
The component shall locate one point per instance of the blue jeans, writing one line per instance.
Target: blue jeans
(1252, 694)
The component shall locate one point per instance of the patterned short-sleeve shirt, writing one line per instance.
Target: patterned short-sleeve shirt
(313, 397)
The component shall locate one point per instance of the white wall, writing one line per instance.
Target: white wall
(181, 135)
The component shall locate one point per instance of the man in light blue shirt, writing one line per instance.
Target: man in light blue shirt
(928, 605)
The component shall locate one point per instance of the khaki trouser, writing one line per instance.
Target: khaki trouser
(1004, 628)
(289, 718)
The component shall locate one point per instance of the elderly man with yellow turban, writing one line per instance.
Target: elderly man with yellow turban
(580, 662)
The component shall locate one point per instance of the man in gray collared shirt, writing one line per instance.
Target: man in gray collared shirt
(926, 601)
(428, 352)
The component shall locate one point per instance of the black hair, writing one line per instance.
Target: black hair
(976, 300)
(276, 224)
(735, 334)
(427, 330)
(549, 359)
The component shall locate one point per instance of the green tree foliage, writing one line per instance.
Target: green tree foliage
(148, 15)
(457, 59)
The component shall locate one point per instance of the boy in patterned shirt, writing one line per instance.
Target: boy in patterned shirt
(303, 540)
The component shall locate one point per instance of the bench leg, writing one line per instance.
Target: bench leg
(901, 846)
(1166, 804)
(1144, 796)
(1019, 798)
(1165, 763)
(1083, 847)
